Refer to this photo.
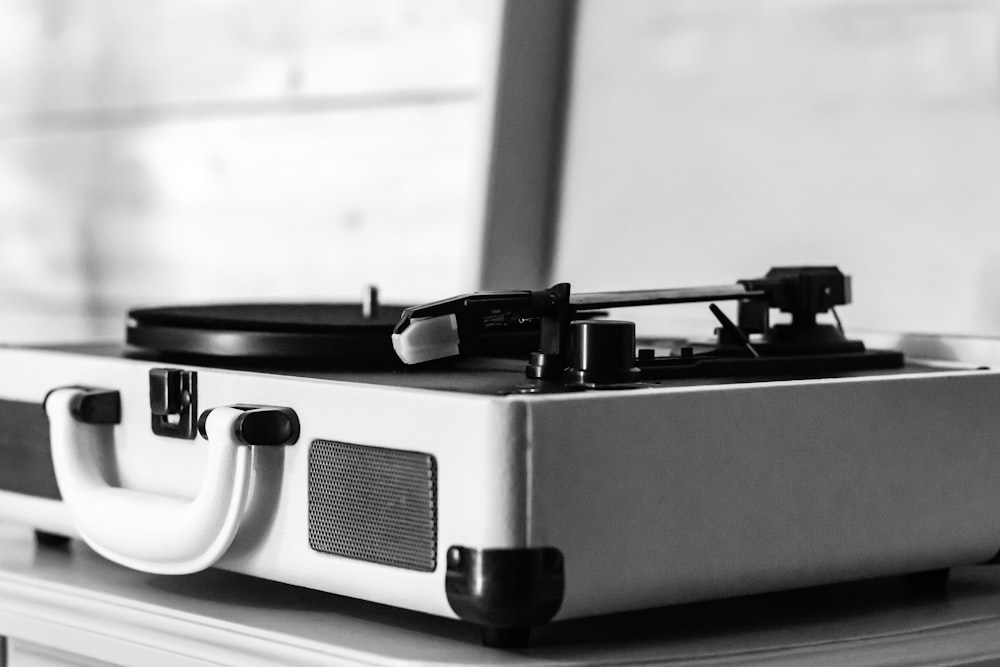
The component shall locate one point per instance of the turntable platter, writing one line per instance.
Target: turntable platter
(317, 332)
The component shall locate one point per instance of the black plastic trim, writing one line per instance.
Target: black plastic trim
(173, 403)
(97, 406)
(260, 425)
(51, 540)
(506, 591)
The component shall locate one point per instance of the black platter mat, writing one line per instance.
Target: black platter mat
(331, 333)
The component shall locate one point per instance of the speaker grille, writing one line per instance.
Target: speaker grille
(373, 504)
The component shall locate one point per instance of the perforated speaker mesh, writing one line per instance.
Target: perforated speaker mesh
(373, 504)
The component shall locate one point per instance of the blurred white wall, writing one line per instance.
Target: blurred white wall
(177, 150)
(711, 139)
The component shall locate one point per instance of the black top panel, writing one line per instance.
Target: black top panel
(482, 376)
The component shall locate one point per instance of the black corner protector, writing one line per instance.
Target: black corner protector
(505, 588)
(995, 560)
(97, 406)
(51, 540)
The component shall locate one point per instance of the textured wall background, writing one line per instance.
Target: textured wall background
(178, 150)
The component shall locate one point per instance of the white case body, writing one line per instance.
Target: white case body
(653, 496)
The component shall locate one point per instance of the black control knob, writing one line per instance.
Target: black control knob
(602, 352)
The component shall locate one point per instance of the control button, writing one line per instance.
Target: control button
(602, 352)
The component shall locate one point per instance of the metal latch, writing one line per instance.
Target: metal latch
(173, 402)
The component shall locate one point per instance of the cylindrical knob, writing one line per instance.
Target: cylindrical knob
(602, 352)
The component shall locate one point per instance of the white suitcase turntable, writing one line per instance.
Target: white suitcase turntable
(529, 463)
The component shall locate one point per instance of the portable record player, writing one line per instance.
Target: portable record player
(508, 458)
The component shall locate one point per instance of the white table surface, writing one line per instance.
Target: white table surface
(73, 601)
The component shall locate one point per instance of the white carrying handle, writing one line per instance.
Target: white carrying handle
(145, 531)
